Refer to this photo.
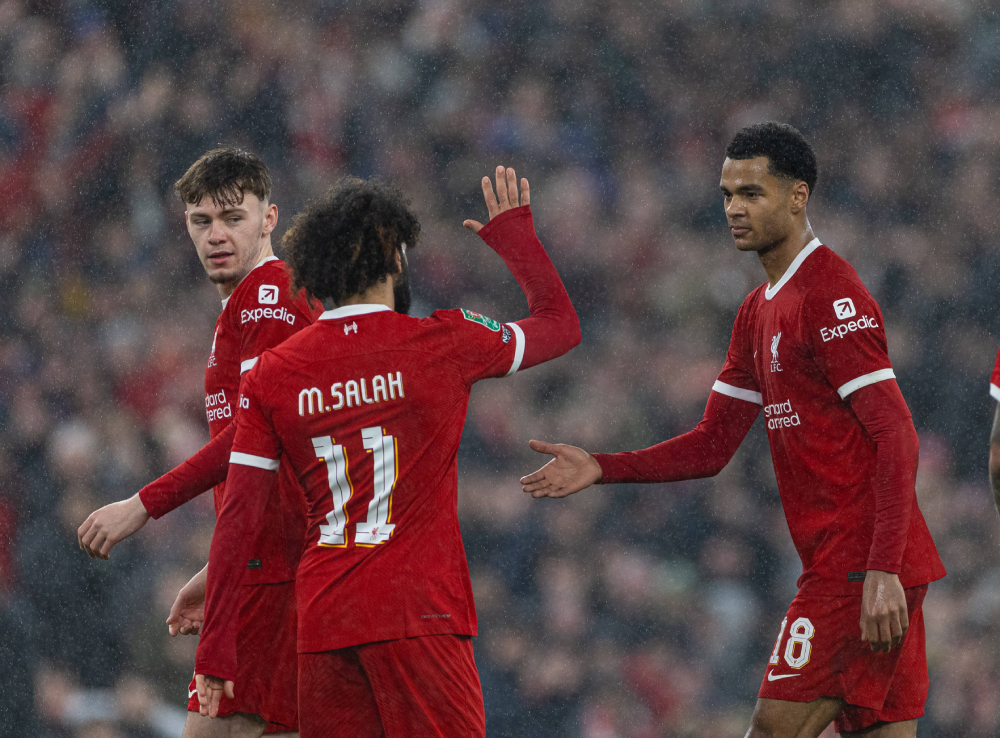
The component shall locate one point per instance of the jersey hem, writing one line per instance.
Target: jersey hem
(259, 462)
(738, 392)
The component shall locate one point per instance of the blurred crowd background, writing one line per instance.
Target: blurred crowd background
(624, 612)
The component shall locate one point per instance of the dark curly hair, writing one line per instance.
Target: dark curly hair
(789, 154)
(225, 175)
(345, 242)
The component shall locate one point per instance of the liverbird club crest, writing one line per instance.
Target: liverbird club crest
(775, 366)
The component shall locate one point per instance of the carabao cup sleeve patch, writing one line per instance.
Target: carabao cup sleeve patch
(482, 320)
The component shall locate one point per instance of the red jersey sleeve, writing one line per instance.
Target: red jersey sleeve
(252, 464)
(843, 324)
(737, 378)
(487, 348)
(995, 380)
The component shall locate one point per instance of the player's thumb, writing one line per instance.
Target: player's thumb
(473, 225)
(542, 447)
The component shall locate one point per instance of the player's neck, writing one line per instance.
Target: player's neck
(378, 294)
(777, 259)
(227, 288)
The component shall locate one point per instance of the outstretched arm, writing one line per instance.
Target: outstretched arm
(702, 452)
(110, 525)
(553, 328)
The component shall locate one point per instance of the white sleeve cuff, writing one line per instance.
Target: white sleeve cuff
(863, 381)
(740, 394)
(518, 347)
(248, 365)
(994, 392)
(250, 460)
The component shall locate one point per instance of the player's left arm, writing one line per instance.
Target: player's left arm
(845, 329)
(882, 411)
(252, 466)
(553, 328)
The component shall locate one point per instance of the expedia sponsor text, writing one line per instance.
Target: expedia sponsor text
(256, 314)
(839, 331)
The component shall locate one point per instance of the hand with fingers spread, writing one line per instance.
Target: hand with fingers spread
(188, 611)
(571, 470)
(111, 525)
(210, 691)
(506, 197)
(884, 616)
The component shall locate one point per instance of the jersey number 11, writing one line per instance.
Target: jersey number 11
(376, 528)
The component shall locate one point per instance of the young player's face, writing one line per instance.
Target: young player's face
(230, 238)
(759, 206)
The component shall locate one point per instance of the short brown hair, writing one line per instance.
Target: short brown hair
(225, 175)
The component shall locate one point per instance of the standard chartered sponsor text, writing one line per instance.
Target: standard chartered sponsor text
(781, 415)
(217, 406)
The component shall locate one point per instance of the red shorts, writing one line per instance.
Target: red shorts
(407, 688)
(267, 662)
(819, 653)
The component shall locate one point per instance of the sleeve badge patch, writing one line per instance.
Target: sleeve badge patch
(506, 334)
(482, 320)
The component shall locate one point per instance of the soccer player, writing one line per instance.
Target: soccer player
(995, 435)
(367, 406)
(809, 349)
(230, 219)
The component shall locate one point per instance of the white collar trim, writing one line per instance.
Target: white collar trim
(793, 267)
(349, 311)
(266, 259)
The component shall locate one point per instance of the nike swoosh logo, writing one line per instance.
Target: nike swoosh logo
(775, 677)
(193, 692)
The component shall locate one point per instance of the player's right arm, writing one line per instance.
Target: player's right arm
(732, 407)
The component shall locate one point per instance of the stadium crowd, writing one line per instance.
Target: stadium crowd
(623, 612)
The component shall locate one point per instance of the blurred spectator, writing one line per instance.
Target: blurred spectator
(628, 612)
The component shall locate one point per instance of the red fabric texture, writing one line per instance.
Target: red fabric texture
(882, 411)
(367, 408)
(268, 662)
(995, 379)
(889, 687)
(845, 467)
(424, 687)
(702, 452)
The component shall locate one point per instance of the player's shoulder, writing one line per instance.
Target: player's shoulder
(463, 320)
(827, 275)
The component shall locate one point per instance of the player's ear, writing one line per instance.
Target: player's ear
(799, 196)
(397, 259)
(270, 217)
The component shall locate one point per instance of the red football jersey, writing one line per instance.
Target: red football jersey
(259, 314)
(800, 349)
(369, 405)
(995, 380)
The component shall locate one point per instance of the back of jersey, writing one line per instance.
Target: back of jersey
(368, 406)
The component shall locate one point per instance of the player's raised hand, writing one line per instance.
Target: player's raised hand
(188, 611)
(884, 616)
(571, 470)
(210, 691)
(506, 197)
(110, 525)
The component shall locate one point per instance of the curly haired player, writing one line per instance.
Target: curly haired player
(367, 407)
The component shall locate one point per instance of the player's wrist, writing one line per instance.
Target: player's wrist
(137, 509)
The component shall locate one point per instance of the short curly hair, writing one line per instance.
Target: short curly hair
(345, 242)
(789, 154)
(225, 175)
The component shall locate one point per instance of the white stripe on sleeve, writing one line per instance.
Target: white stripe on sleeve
(740, 394)
(518, 347)
(250, 460)
(994, 392)
(855, 384)
(248, 365)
